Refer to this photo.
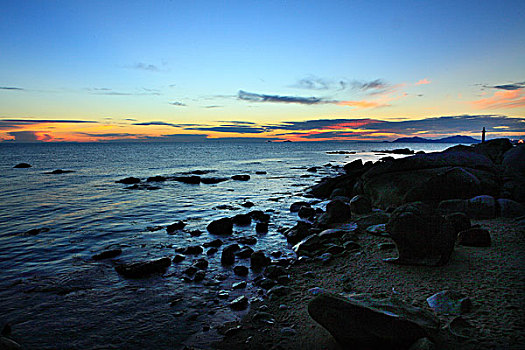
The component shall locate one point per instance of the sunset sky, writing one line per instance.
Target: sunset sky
(296, 70)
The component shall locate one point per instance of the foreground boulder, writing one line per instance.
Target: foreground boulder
(422, 236)
(369, 322)
(143, 269)
(475, 237)
(222, 226)
(337, 211)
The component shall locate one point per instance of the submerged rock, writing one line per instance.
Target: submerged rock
(259, 260)
(107, 254)
(59, 171)
(228, 254)
(222, 226)
(370, 322)
(128, 181)
(241, 177)
(22, 166)
(143, 269)
(36, 231)
(176, 226)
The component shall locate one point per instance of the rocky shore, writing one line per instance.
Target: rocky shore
(423, 252)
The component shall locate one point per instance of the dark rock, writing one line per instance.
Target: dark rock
(274, 271)
(195, 233)
(157, 178)
(154, 228)
(199, 276)
(326, 187)
(276, 254)
(331, 233)
(192, 180)
(213, 180)
(261, 172)
(349, 246)
(59, 172)
(239, 303)
(449, 302)
(222, 226)
(312, 169)
(306, 212)
(212, 251)
(250, 240)
(178, 258)
(258, 260)
(201, 263)
(298, 205)
(128, 181)
(453, 206)
(36, 231)
(373, 219)
(191, 250)
(422, 237)
(334, 249)
(325, 257)
(143, 269)
(9, 344)
(337, 211)
(474, 237)
(244, 253)
(241, 177)
(423, 343)
(107, 254)
(190, 270)
(266, 283)
(201, 172)
(360, 205)
(353, 166)
(215, 243)
(510, 209)
(280, 291)
(377, 230)
(369, 322)
(176, 226)
(307, 245)
(242, 219)
(247, 204)
(228, 254)
(239, 285)
(514, 173)
(142, 187)
(22, 166)
(261, 227)
(240, 270)
(482, 207)
(459, 221)
(386, 246)
(297, 233)
(260, 216)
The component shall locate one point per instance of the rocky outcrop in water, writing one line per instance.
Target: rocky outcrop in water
(143, 269)
(222, 226)
(22, 166)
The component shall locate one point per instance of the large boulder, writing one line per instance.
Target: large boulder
(510, 209)
(300, 231)
(514, 173)
(482, 207)
(422, 236)
(222, 226)
(475, 237)
(143, 269)
(360, 205)
(337, 211)
(364, 321)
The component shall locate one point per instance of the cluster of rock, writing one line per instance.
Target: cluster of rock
(192, 178)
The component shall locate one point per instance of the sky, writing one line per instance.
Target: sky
(260, 70)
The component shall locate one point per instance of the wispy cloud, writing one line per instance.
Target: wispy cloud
(178, 104)
(513, 86)
(146, 66)
(27, 136)
(316, 83)
(6, 124)
(362, 104)
(424, 81)
(165, 124)
(377, 84)
(507, 98)
(253, 97)
(238, 129)
(11, 88)
(213, 106)
(111, 92)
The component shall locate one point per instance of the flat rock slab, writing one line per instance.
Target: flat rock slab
(365, 320)
(143, 269)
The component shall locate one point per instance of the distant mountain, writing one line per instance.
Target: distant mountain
(450, 139)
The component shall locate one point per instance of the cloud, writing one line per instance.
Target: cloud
(11, 88)
(253, 97)
(165, 124)
(423, 82)
(146, 66)
(239, 129)
(237, 122)
(507, 98)
(321, 124)
(24, 136)
(513, 86)
(111, 92)
(377, 84)
(18, 123)
(315, 83)
(178, 104)
(362, 104)
(213, 106)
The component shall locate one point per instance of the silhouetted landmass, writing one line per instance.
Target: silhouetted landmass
(450, 139)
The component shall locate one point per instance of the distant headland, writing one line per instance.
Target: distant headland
(450, 139)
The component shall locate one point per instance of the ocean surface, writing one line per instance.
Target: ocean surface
(54, 295)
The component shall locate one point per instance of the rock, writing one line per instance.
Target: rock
(154, 228)
(247, 204)
(250, 240)
(143, 269)
(474, 237)
(157, 178)
(459, 222)
(331, 233)
(482, 207)
(288, 332)
(334, 249)
(201, 263)
(107, 254)
(295, 207)
(450, 302)
(195, 233)
(453, 206)
(260, 216)
(222, 226)
(244, 253)
(192, 180)
(377, 230)
(239, 285)
(190, 270)
(216, 243)
(274, 272)
(353, 166)
(176, 226)
(142, 187)
(306, 212)
(9, 344)
(241, 177)
(239, 303)
(178, 258)
(223, 294)
(261, 172)
(386, 246)
(212, 251)
(190, 250)
(510, 209)
(349, 246)
(280, 291)
(423, 344)
(300, 231)
(422, 237)
(22, 166)
(312, 169)
(369, 322)
(372, 219)
(337, 211)
(360, 205)
(514, 173)
(128, 181)
(325, 257)
(37, 231)
(263, 317)
(327, 186)
(307, 245)
(199, 276)
(213, 180)
(258, 260)
(261, 227)
(240, 270)
(59, 172)
(242, 220)
(228, 254)
(266, 283)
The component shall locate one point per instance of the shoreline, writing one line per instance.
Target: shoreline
(497, 298)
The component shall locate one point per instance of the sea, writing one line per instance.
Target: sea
(55, 296)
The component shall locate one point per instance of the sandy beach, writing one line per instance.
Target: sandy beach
(492, 277)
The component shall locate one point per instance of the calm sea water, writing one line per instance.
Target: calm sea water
(55, 296)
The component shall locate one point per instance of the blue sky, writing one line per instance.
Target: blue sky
(182, 62)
